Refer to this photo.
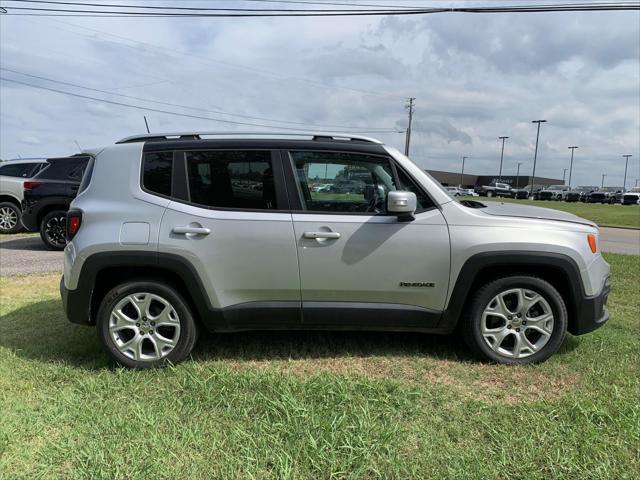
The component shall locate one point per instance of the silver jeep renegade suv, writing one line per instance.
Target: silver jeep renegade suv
(170, 233)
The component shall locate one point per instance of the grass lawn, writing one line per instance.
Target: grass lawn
(317, 405)
(604, 215)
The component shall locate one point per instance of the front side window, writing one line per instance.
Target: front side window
(157, 171)
(347, 183)
(241, 180)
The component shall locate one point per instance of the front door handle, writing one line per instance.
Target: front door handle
(321, 235)
(192, 230)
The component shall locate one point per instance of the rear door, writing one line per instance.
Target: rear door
(231, 221)
(359, 266)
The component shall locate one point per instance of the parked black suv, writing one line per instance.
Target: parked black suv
(47, 197)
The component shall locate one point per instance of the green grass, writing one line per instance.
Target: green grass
(317, 405)
(604, 215)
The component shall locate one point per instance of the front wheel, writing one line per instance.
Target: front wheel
(9, 217)
(146, 324)
(515, 320)
(53, 230)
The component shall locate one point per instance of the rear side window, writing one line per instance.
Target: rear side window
(231, 179)
(65, 169)
(23, 170)
(86, 178)
(157, 172)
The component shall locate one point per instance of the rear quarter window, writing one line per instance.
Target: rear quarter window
(157, 170)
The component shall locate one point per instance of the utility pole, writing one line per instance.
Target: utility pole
(624, 183)
(535, 156)
(146, 124)
(564, 174)
(409, 106)
(602, 183)
(501, 156)
(571, 164)
(518, 176)
(462, 172)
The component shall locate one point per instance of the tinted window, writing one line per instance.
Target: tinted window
(86, 178)
(157, 171)
(23, 170)
(65, 168)
(346, 182)
(231, 179)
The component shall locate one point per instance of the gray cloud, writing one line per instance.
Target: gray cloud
(475, 77)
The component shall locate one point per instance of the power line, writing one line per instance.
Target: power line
(244, 12)
(156, 110)
(132, 97)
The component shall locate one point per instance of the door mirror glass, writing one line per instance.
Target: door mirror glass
(402, 204)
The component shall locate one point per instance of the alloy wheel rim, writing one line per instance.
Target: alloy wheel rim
(8, 218)
(517, 323)
(55, 229)
(144, 327)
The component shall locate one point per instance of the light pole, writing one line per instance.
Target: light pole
(602, 183)
(624, 183)
(564, 174)
(462, 172)
(501, 157)
(535, 156)
(518, 176)
(571, 164)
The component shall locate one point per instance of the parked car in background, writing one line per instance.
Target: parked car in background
(455, 191)
(632, 197)
(47, 197)
(579, 193)
(468, 192)
(12, 175)
(597, 196)
(161, 247)
(553, 192)
(525, 192)
(614, 194)
(496, 190)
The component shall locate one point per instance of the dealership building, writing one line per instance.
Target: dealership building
(471, 181)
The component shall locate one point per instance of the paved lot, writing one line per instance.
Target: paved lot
(24, 255)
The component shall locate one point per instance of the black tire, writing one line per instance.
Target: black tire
(53, 228)
(472, 318)
(188, 327)
(490, 194)
(10, 215)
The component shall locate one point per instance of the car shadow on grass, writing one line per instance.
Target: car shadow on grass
(40, 331)
(31, 243)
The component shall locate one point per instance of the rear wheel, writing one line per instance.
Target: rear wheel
(515, 320)
(9, 217)
(146, 324)
(53, 229)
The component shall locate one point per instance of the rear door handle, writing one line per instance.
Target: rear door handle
(316, 235)
(192, 230)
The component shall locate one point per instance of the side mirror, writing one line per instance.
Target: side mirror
(403, 204)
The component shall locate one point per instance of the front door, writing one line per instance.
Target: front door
(360, 266)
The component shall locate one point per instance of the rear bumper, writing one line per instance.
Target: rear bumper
(76, 304)
(592, 312)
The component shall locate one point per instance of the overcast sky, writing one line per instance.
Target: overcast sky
(475, 77)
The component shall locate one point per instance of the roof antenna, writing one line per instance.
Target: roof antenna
(145, 123)
(79, 147)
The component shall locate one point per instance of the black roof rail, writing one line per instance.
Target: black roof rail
(155, 137)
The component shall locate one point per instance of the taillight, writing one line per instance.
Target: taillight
(31, 185)
(74, 220)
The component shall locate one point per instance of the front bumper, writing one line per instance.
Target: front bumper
(592, 312)
(76, 304)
